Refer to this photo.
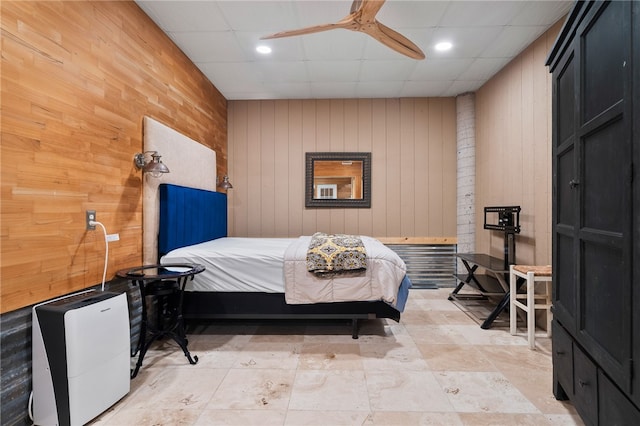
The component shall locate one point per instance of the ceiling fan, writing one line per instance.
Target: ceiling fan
(362, 18)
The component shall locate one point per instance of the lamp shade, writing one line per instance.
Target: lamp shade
(154, 166)
(225, 184)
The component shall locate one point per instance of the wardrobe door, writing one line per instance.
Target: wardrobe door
(603, 147)
(635, 94)
(565, 192)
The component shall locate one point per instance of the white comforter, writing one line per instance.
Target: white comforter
(277, 265)
(235, 264)
(380, 281)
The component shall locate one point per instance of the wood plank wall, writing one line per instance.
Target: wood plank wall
(513, 151)
(77, 79)
(413, 148)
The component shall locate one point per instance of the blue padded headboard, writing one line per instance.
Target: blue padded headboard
(189, 216)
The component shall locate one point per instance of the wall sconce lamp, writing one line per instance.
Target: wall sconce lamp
(225, 184)
(153, 166)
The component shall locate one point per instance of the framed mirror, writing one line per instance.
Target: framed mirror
(338, 179)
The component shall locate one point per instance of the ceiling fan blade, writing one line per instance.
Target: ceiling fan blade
(395, 41)
(370, 9)
(302, 31)
(355, 6)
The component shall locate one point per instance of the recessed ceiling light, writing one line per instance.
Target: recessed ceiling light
(443, 46)
(263, 49)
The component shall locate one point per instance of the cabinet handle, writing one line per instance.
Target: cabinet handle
(559, 352)
(582, 383)
(573, 183)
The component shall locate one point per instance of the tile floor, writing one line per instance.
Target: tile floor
(436, 367)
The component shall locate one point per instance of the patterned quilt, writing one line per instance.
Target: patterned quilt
(332, 253)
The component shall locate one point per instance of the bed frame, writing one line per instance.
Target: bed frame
(191, 216)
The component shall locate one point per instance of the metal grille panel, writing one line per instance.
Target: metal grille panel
(428, 265)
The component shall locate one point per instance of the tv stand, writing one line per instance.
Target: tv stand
(493, 285)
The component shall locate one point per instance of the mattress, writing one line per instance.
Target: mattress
(235, 264)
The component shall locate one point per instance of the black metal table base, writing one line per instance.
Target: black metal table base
(175, 331)
(166, 283)
(471, 262)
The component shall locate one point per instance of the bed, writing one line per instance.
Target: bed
(193, 228)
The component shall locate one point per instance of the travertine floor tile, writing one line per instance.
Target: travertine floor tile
(454, 357)
(330, 390)
(174, 388)
(330, 356)
(381, 418)
(269, 355)
(334, 418)
(242, 417)
(484, 392)
(253, 389)
(406, 391)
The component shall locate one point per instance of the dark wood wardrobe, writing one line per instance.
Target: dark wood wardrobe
(595, 64)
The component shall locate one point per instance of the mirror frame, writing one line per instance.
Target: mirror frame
(312, 157)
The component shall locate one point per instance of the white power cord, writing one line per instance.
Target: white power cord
(106, 249)
(30, 406)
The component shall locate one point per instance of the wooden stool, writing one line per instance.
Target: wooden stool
(532, 274)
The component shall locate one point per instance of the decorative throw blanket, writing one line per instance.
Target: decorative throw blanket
(330, 253)
(380, 281)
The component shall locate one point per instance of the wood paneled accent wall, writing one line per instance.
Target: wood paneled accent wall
(513, 151)
(413, 148)
(77, 79)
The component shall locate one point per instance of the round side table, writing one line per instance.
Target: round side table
(161, 281)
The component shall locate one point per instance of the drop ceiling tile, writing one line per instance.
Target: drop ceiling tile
(421, 88)
(310, 13)
(185, 15)
(230, 74)
(271, 16)
(284, 49)
(481, 13)
(543, 13)
(379, 89)
(467, 42)
(462, 86)
(279, 72)
(512, 41)
(209, 46)
(334, 90)
(483, 68)
(334, 45)
(290, 91)
(440, 69)
(398, 70)
(333, 70)
(412, 14)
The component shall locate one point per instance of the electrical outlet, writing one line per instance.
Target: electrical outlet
(91, 216)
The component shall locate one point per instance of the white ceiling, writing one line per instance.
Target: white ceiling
(220, 37)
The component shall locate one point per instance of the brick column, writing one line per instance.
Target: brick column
(466, 171)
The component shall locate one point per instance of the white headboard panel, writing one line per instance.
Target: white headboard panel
(190, 164)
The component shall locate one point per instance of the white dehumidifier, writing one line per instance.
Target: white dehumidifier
(81, 357)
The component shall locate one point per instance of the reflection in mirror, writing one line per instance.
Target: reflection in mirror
(338, 179)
